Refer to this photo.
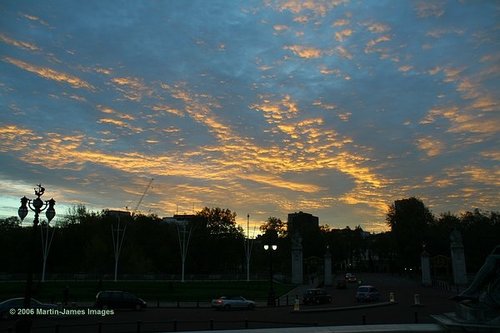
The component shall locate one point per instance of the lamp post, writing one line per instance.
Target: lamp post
(182, 231)
(36, 205)
(271, 298)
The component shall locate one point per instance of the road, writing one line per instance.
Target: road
(433, 301)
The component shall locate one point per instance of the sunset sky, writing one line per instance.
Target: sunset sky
(336, 108)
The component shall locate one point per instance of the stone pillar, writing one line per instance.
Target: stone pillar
(458, 258)
(328, 267)
(426, 268)
(297, 260)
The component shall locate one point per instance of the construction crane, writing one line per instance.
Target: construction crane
(142, 196)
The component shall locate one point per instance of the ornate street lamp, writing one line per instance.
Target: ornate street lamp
(36, 205)
(271, 298)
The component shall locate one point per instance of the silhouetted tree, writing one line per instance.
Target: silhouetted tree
(10, 222)
(409, 220)
(220, 222)
(217, 241)
(275, 225)
(438, 242)
(481, 233)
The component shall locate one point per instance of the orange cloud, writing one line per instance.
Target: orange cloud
(22, 45)
(132, 88)
(168, 109)
(343, 52)
(378, 28)
(304, 52)
(340, 23)
(14, 138)
(50, 74)
(109, 110)
(405, 68)
(278, 182)
(319, 7)
(280, 27)
(340, 36)
(371, 45)
(430, 146)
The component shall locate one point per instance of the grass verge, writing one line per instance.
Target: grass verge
(85, 291)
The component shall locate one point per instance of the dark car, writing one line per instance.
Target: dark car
(349, 277)
(316, 296)
(111, 299)
(18, 303)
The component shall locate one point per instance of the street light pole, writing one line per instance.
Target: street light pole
(37, 205)
(248, 247)
(183, 244)
(271, 299)
(117, 242)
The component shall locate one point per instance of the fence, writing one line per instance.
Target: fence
(175, 326)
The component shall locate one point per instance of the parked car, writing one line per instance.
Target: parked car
(18, 303)
(316, 296)
(118, 299)
(233, 302)
(349, 277)
(367, 293)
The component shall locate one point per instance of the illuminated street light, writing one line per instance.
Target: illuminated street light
(271, 299)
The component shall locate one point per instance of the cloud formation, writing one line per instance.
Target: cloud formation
(336, 108)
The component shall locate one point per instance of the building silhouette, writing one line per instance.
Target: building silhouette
(303, 223)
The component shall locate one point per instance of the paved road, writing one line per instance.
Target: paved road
(433, 301)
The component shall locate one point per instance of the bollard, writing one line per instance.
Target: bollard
(296, 305)
(364, 319)
(391, 297)
(175, 325)
(246, 323)
(286, 300)
(157, 302)
(416, 317)
(99, 327)
(57, 329)
(211, 324)
(139, 323)
(416, 299)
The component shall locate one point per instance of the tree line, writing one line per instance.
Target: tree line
(82, 243)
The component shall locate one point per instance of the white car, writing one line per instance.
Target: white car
(367, 294)
(236, 302)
